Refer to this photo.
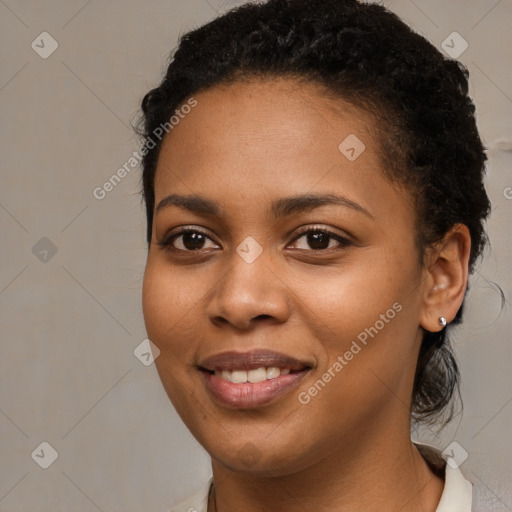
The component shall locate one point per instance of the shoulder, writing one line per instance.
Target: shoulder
(196, 503)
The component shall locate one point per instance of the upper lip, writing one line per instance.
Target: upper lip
(229, 361)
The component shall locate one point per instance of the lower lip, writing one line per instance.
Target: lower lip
(248, 395)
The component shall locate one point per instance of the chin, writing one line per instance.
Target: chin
(259, 459)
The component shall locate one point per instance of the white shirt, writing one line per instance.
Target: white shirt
(457, 494)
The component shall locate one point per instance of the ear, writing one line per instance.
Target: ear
(446, 277)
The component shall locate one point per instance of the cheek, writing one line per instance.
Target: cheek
(366, 360)
(171, 324)
(346, 301)
(365, 314)
(169, 309)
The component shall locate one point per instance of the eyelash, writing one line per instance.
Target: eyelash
(166, 243)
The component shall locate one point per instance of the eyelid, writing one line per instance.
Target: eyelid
(166, 239)
(166, 242)
(320, 227)
(343, 239)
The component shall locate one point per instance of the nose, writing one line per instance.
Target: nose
(249, 294)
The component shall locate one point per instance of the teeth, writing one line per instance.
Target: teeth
(225, 375)
(253, 376)
(273, 372)
(239, 376)
(258, 375)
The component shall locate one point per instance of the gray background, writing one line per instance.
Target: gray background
(70, 321)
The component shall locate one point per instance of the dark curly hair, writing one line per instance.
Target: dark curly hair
(365, 55)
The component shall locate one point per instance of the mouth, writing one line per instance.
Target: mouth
(251, 379)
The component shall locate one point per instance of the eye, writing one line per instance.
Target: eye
(186, 240)
(319, 239)
(191, 240)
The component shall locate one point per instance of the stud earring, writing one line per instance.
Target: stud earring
(442, 321)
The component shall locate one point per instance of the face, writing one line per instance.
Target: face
(298, 271)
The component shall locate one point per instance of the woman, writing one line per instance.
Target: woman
(313, 178)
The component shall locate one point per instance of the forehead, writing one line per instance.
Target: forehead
(260, 123)
(258, 140)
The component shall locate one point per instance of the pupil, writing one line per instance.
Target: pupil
(193, 241)
(318, 240)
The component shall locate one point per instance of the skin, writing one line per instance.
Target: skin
(244, 146)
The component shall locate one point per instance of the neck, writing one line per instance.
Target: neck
(374, 475)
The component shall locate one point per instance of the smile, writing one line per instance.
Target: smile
(253, 376)
(252, 379)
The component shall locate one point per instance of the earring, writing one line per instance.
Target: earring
(442, 321)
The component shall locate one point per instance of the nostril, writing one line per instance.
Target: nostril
(264, 317)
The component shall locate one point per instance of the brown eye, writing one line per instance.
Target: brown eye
(192, 241)
(320, 239)
(188, 240)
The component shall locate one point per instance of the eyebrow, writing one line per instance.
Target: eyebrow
(279, 208)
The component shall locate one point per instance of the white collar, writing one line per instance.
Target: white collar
(458, 492)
